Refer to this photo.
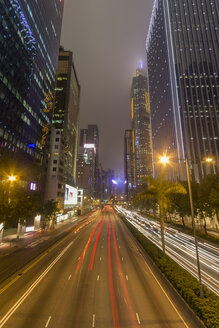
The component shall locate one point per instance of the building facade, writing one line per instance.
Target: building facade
(182, 53)
(86, 169)
(29, 42)
(142, 160)
(90, 136)
(61, 169)
(128, 164)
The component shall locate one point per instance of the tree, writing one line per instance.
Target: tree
(49, 210)
(208, 197)
(161, 190)
(181, 202)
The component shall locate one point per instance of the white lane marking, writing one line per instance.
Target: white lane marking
(31, 288)
(127, 278)
(69, 277)
(48, 321)
(119, 246)
(98, 277)
(100, 258)
(78, 258)
(93, 321)
(137, 316)
(122, 258)
(166, 296)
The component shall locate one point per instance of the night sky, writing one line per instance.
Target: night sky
(107, 38)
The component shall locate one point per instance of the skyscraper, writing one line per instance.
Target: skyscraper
(128, 163)
(182, 53)
(90, 136)
(29, 42)
(64, 134)
(142, 161)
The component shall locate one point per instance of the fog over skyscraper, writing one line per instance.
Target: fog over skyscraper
(182, 53)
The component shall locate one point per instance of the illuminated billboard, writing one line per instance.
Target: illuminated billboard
(71, 195)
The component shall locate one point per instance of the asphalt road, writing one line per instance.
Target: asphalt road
(95, 276)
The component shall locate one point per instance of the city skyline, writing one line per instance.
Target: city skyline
(113, 223)
(107, 49)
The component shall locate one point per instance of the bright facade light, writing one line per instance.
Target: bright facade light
(164, 159)
(12, 178)
(209, 160)
(114, 182)
(89, 146)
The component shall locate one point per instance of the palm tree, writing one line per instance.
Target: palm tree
(161, 190)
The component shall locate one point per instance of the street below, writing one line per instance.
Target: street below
(96, 276)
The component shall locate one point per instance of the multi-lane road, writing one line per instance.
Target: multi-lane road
(95, 276)
(181, 248)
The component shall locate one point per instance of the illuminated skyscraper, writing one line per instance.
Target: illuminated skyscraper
(29, 43)
(64, 134)
(182, 53)
(142, 161)
(90, 136)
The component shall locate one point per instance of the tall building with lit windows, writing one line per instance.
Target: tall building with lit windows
(29, 43)
(142, 161)
(182, 54)
(63, 137)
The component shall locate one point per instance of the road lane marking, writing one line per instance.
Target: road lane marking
(48, 321)
(69, 277)
(111, 286)
(122, 279)
(37, 261)
(127, 278)
(100, 258)
(93, 321)
(137, 316)
(95, 245)
(122, 259)
(119, 246)
(32, 287)
(98, 277)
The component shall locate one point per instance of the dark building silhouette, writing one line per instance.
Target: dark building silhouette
(128, 163)
(182, 53)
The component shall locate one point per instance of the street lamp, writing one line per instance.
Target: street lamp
(11, 178)
(165, 160)
(209, 160)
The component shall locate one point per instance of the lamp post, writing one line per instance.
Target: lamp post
(165, 160)
(194, 229)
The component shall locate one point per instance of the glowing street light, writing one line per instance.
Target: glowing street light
(164, 159)
(209, 160)
(11, 178)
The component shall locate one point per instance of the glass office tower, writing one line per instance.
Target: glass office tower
(182, 52)
(29, 43)
(142, 162)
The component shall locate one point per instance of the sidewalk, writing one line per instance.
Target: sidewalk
(10, 242)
